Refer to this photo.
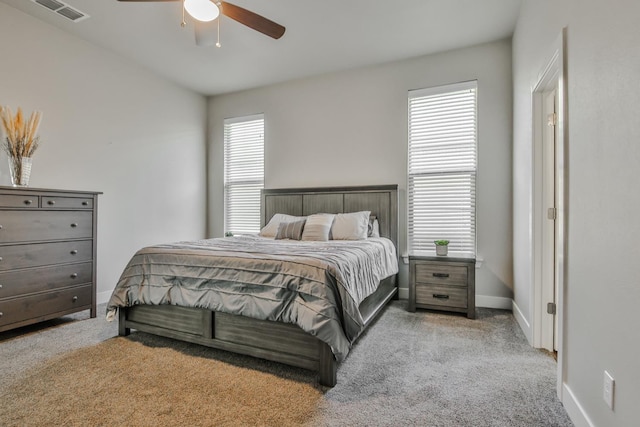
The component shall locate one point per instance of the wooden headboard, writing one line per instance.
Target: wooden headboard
(381, 200)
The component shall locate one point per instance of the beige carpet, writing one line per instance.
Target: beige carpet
(408, 369)
(122, 382)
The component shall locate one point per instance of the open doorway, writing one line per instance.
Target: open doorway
(549, 205)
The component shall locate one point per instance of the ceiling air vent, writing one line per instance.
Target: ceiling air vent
(62, 9)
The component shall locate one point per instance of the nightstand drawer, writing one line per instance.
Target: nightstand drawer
(450, 275)
(442, 296)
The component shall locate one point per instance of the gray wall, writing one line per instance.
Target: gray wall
(350, 128)
(602, 291)
(108, 126)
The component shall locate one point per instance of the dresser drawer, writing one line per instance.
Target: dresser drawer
(44, 305)
(18, 201)
(29, 226)
(447, 275)
(442, 296)
(40, 254)
(40, 279)
(67, 202)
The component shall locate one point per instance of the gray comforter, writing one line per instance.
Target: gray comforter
(315, 285)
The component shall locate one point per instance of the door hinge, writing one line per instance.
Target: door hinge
(551, 308)
(552, 213)
(552, 119)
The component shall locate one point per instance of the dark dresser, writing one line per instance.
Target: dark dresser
(47, 254)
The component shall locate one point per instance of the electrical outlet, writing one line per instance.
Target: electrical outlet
(609, 386)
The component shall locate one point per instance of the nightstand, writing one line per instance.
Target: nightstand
(442, 283)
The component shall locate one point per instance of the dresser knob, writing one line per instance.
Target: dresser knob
(28, 202)
(1, 314)
(0, 258)
(74, 252)
(0, 226)
(85, 203)
(52, 202)
(74, 275)
(74, 225)
(0, 286)
(74, 299)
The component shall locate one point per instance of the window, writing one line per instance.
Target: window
(243, 173)
(442, 168)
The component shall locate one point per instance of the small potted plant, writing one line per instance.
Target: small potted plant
(442, 247)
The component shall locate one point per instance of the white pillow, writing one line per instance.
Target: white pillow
(350, 226)
(271, 229)
(317, 227)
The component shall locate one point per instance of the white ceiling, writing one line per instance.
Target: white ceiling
(322, 36)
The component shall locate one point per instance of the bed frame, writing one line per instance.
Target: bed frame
(280, 342)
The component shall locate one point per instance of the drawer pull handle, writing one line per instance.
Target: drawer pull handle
(52, 202)
(74, 275)
(75, 298)
(440, 296)
(0, 258)
(74, 252)
(1, 314)
(0, 286)
(28, 202)
(443, 275)
(74, 225)
(85, 203)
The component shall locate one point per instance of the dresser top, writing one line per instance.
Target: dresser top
(25, 190)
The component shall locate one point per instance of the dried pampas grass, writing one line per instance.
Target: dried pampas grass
(21, 136)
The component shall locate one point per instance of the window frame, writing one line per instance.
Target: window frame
(250, 218)
(461, 164)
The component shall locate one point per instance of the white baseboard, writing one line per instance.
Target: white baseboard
(522, 321)
(493, 302)
(574, 409)
(103, 297)
(403, 293)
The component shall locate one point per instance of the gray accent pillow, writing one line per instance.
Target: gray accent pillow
(290, 230)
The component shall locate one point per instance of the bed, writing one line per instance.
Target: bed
(291, 318)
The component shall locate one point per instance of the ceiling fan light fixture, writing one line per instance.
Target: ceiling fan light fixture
(202, 10)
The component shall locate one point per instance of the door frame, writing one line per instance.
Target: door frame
(552, 76)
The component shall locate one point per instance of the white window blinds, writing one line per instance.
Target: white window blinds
(442, 168)
(243, 173)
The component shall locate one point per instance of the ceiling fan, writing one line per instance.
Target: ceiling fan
(208, 10)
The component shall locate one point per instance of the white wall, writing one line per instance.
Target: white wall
(602, 292)
(108, 126)
(350, 128)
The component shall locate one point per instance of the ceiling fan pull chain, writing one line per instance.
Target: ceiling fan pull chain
(183, 23)
(218, 42)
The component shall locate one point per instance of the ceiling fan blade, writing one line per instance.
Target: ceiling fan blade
(252, 20)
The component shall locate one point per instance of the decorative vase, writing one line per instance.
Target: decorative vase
(442, 250)
(20, 168)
